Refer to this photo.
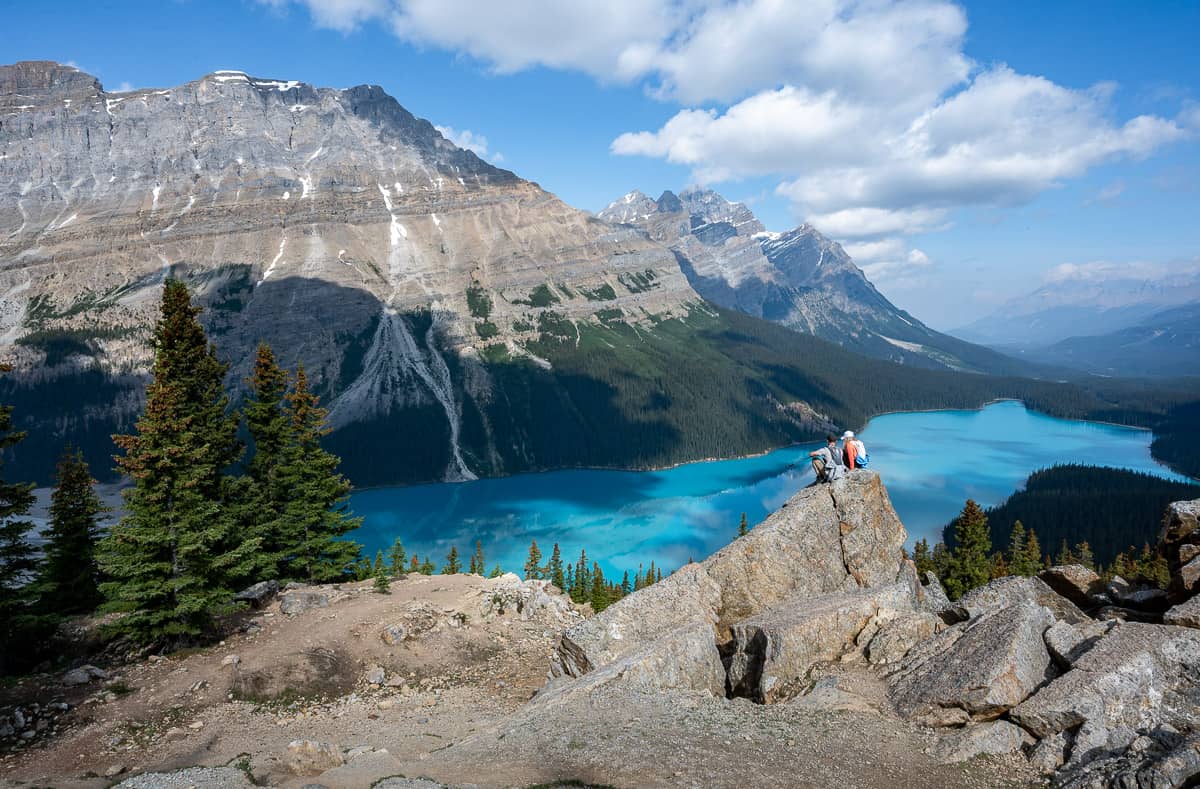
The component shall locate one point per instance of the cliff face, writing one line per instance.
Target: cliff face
(332, 223)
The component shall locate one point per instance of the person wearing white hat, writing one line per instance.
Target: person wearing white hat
(849, 450)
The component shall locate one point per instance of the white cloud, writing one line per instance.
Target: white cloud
(869, 222)
(465, 138)
(901, 270)
(1109, 193)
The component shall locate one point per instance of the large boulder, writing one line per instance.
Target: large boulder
(293, 603)
(308, 757)
(1186, 614)
(774, 651)
(1015, 589)
(827, 538)
(994, 738)
(684, 659)
(1074, 582)
(1180, 541)
(258, 595)
(975, 670)
(1137, 677)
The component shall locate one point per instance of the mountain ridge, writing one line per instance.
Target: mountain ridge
(797, 278)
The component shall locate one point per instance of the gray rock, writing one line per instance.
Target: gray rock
(1050, 753)
(1136, 677)
(293, 603)
(993, 738)
(259, 594)
(1068, 642)
(1074, 582)
(1185, 614)
(774, 651)
(935, 599)
(83, 675)
(1016, 589)
(376, 675)
(308, 757)
(684, 659)
(393, 634)
(406, 783)
(896, 637)
(190, 778)
(1188, 577)
(826, 538)
(980, 668)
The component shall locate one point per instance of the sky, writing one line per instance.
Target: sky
(963, 153)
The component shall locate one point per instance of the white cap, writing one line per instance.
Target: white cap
(847, 435)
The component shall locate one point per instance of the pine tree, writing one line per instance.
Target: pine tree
(570, 579)
(1084, 555)
(496, 572)
(1065, 555)
(473, 569)
(453, 566)
(659, 577)
(427, 567)
(533, 569)
(361, 570)
(477, 559)
(921, 557)
(173, 558)
(377, 565)
(649, 579)
(581, 592)
(397, 557)
(941, 559)
(17, 556)
(316, 512)
(265, 496)
(599, 596)
(556, 569)
(971, 564)
(69, 579)
(383, 584)
(415, 567)
(742, 527)
(626, 587)
(1033, 553)
(1018, 561)
(999, 566)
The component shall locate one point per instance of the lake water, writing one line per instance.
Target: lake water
(931, 462)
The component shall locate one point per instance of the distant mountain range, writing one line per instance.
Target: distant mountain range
(1119, 324)
(798, 278)
(1166, 343)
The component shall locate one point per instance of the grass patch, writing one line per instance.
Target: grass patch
(541, 296)
(603, 293)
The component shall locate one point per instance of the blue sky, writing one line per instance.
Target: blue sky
(962, 152)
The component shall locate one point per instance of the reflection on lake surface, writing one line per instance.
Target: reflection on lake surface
(931, 462)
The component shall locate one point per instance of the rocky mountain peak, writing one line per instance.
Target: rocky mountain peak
(37, 83)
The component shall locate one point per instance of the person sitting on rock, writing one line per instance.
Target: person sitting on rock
(827, 461)
(849, 450)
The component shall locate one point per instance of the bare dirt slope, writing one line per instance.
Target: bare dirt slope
(451, 706)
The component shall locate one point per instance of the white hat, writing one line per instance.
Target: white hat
(847, 435)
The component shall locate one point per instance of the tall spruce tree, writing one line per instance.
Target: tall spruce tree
(266, 494)
(971, 565)
(599, 596)
(1018, 557)
(398, 557)
(477, 559)
(921, 557)
(743, 528)
(555, 569)
(69, 579)
(1033, 553)
(453, 565)
(316, 512)
(171, 561)
(533, 568)
(17, 557)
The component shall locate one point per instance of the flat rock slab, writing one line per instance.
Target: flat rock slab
(993, 738)
(190, 778)
(827, 538)
(1016, 589)
(775, 650)
(975, 670)
(1136, 677)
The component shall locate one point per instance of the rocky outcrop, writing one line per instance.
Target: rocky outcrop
(994, 738)
(1074, 582)
(1180, 542)
(1186, 614)
(1015, 590)
(1137, 677)
(774, 651)
(294, 603)
(976, 670)
(827, 538)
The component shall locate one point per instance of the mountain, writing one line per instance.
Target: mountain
(798, 278)
(458, 320)
(1079, 305)
(1166, 343)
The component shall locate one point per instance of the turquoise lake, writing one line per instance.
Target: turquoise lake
(931, 462)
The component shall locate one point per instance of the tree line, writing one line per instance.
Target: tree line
(201, 518)
(970, 561)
